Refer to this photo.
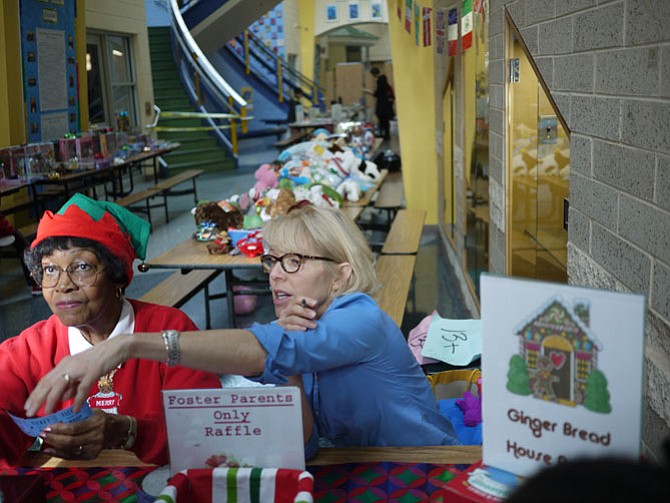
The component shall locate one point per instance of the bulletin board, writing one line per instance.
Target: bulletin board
(49, 68)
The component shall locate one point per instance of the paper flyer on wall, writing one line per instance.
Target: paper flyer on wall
(562, 373)
(257, 427)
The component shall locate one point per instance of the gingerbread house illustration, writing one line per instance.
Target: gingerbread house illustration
(559, 351)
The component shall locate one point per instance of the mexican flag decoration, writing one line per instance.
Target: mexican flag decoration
(427, 32)
(466, 24)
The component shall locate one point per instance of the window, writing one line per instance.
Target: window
(538, 171)
(111, 81)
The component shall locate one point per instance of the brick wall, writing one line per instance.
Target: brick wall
(607, 64)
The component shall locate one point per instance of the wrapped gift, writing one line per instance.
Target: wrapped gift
(84, 147)
(67, 149)
(240, 484)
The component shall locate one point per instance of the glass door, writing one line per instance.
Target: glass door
(476, 141)
(96, 100)
(111, 81)
(538, 171)
(448, 171)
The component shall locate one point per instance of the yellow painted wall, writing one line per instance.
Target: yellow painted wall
(306, 60)
(12, 130)
(414, 79)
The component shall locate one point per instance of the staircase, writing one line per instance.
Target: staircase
(198, 148)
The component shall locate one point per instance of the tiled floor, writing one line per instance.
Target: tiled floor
(435, 287)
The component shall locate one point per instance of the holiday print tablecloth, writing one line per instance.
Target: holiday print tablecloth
(342, 483)
(377, 482)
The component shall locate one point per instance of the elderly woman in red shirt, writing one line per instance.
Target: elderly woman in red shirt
(82, 258)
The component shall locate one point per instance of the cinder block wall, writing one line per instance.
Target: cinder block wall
(607, 64)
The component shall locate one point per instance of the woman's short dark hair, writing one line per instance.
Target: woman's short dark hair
(115, 268)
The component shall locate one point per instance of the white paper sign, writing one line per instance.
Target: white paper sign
(259, 427)
(457, 342)
(561, 373)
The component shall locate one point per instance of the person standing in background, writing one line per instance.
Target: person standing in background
(384, 97)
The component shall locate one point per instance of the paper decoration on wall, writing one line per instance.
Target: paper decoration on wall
(331, 13)
(354, 11)
(376, 10)
(427, 31)
(452, 32)
(440, 22)
(408, 16)
(466, 25)
(398, 9)
(269, 29)
(417, 20)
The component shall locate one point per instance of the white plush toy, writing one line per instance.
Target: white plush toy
(370, 169)
(350, 190)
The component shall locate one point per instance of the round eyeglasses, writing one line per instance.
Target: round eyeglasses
(290, 262)
(81, 274)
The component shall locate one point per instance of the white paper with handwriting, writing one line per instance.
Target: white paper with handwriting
(456, 342)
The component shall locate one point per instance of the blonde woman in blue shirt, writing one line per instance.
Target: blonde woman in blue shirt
(362, 386)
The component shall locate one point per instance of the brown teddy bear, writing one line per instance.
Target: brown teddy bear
(223, 217)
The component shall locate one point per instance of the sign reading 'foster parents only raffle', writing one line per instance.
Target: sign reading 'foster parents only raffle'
(258, 427)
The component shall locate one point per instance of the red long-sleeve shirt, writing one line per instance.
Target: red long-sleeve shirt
(26, 358)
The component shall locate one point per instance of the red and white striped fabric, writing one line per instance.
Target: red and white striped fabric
(239, 485)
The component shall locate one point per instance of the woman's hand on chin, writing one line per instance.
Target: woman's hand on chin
(300, 314)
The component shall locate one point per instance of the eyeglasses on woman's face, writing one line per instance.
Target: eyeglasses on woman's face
(290, 262)
(80, 273)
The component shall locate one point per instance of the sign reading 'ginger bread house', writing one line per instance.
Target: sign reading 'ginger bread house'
(565, 376)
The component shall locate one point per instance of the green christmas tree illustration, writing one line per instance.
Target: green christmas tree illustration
(517, 376)
(596, 396)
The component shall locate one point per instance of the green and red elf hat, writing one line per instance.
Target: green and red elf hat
(119, 230)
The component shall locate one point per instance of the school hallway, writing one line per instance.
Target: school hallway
(434, 286)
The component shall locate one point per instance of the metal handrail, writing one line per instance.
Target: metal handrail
(199, 61)
(275, 65)
(207, 81)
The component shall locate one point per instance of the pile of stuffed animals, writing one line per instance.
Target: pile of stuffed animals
(327, 170)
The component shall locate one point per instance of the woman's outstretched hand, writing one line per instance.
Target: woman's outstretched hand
(299, 315)
(74, 376)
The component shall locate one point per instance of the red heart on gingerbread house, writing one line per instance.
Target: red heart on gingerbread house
(557, 358)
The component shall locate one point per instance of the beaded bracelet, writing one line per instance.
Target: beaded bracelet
(171, 340)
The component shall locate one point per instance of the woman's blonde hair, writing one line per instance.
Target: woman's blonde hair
(325, 232)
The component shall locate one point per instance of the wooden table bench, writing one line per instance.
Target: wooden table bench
(390, 195)
(404, 237)
(180, 287)
(295, 137)
(395, 272)
(164, 189)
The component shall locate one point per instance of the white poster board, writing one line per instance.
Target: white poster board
(259, 427)
(561, 373)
